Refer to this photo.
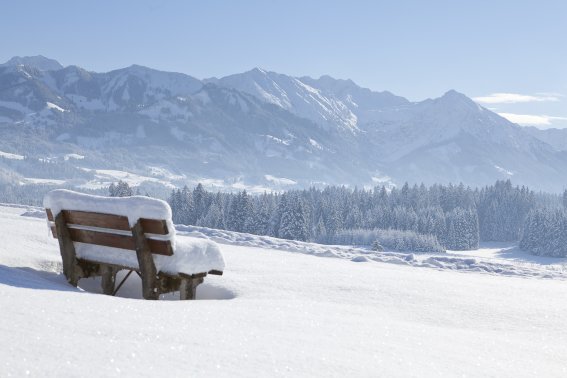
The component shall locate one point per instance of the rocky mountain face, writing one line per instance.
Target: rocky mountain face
(262, 129)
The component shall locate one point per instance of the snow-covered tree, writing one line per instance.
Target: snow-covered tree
(121, 189)
(545, 232)
(376, 246)
(462, 230)
(293, 223)
(239, 212)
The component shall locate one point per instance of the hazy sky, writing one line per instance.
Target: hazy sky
(509, 55)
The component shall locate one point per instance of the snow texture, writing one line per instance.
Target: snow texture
(7, 155)
(33, 180)
(133, 208)
(51, 105)
(276, 314)
(73, 156)
(478, 261)
(191, 256)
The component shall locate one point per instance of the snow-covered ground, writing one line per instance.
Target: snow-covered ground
(7, 155)
(105, 177)
(493, 258)
(276, 312)
(32, 180)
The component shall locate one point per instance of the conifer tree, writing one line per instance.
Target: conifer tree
(122, 189)
(293, 224)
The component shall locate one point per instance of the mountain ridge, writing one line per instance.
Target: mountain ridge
(257, 125)
(38, 61)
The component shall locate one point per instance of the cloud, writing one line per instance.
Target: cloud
(513, 98)
(553, 94)
(531, 120)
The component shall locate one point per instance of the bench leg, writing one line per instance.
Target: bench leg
(149, 286)
(108, 279)
(71, 268)
(188, 288)
(146, 263)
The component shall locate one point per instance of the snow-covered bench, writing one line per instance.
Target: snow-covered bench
(97, 237)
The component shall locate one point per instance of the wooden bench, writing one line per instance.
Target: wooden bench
(110, 230)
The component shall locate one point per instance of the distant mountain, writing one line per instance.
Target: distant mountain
(554, 137)
(257, 129)
(362, 102)
(454, 139)
(293, 95)
(38, 62)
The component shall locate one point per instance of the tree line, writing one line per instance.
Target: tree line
(545, 232)
(414, 217)
(455, 216)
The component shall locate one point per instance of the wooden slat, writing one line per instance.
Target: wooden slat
(90, 219)
(159, 247)
(154, 226)
(191, 276)
(110, 221)
(102, 238)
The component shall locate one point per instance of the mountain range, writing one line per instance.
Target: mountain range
(257, 129)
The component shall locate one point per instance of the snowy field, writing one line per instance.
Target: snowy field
(286, 308)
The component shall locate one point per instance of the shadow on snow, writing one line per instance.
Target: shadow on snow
(28, 278)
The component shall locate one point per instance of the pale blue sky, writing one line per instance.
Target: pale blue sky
(417, 49)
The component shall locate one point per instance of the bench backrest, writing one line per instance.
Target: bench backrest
(112, 230)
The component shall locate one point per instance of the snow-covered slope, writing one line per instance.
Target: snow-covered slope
(364, 103)
(294, 95)
(493, 258)
(136, 87)
(276, 313)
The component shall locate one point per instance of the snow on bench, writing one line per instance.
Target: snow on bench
(98, 234)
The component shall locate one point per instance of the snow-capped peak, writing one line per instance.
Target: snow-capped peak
(259, 70)
(294, 95)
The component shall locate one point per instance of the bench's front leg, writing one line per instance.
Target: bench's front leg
(146, 263)
(71, 268)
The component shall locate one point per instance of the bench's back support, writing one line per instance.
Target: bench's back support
(112, 230)
(147, 237)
